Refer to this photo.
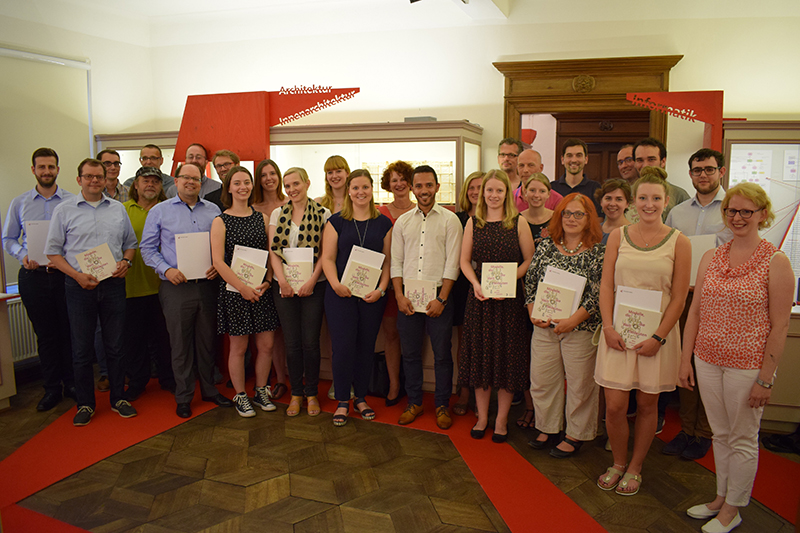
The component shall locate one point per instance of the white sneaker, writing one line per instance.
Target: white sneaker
(263, 398)
(243, 406)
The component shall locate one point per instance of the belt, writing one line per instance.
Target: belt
(48, 270)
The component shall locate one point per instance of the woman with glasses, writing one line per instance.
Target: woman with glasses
(736, 330)
(614, 197)
(493, 351)
(354, 321)
(646, 255)
(563, 348)
(268, 196)
(250, 310)
(299, 224)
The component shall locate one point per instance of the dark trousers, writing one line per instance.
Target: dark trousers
(412, 331)
(43, 297)
(106, 301)
(301, 321)
(190, 311)
(145, 336)
(353, 325)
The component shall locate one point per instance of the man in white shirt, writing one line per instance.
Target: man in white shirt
(700, 215)
(426, 243)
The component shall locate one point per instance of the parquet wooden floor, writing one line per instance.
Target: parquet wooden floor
(221, 473)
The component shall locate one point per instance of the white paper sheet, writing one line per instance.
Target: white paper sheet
(98, 261)
(700, 245)
(568, 280)
(420, 293)
(499, 280)
(251, 255)
(368, 263)
(640, 298)
(298, 267)
(35, 240)
(194, 254)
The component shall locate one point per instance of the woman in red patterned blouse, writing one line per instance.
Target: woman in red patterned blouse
(737, 329)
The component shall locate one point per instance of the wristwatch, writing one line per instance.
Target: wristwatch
(764, 384)
(130, 263)
(443, 302)
(659, 339)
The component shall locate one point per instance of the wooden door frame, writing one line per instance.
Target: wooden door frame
(578, 85)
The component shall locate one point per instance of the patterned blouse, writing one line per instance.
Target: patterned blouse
(734, 310)
(588, 264)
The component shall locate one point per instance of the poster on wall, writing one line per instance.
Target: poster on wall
(754, 166)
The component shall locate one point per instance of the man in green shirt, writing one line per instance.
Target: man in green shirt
(145, 327)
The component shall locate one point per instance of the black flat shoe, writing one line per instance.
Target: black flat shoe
(395, 400)
(498, 438)
(561, 454)
(48, 401)
(184, 410)
(477, 433)
(540, 444)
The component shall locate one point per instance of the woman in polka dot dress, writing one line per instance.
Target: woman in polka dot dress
(251, 311)
(299, 224)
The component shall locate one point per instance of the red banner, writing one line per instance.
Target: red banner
(703, 106)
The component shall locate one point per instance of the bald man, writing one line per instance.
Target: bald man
(529, 162)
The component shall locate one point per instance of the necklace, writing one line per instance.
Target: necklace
(645, 239)
(575, 251)
(360, 238)
(409, 203)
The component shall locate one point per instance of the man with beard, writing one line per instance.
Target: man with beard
(426, 245)
(41, 286)
(145, 328)
(114, 189)
(700, 215)
(574, 156)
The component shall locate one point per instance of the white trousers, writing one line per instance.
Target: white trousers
(554, 357)
(726, 394)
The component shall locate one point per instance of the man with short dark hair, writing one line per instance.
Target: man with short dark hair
(426, 243)
(222, 162)
(507, 153)
(150, 156)
(41, 286)
(574, 156)
(196, 153)
(650, 152)
(114, 189)
(626, 164)
(190, 306)
(80, 224)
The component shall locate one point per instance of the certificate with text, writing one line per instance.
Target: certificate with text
(99, 262)
(420, 293)
(499, 280)
(363, 271)
(298, 267)
(255, 256)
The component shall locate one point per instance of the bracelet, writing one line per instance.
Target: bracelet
(607, 327)
(383, 292)
(764, 383)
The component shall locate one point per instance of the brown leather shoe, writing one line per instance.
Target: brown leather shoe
(410, 414)
(103, 384)
(443, 419)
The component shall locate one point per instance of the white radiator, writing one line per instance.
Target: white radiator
(23, 339)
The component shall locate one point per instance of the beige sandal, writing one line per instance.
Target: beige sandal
(295, 404)
(605, 480)
(313, 406)
(623, 484)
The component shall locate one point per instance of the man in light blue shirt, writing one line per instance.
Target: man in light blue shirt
(41, 286)
(80, 224)
(190, 306)
(699, 215)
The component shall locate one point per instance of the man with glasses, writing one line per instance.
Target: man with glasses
(626, 164)
(150, 156)
(700, 215)
(650, 152)
(41, 286)
(114, 189)
(222, 162)
(190, 306)
(574, 156)
(507, 154)
(80, 224)
(196, 153)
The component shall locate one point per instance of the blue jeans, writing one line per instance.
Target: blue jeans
(106, 302)
(440, 329)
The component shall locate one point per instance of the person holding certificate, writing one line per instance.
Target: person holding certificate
(736, 329)
(493, 351)
(268, 196)
(250, 310)
(649, 257)
(295, 233)
(562, 347)
(355, 321)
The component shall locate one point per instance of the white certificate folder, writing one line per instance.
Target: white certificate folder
(194, 254)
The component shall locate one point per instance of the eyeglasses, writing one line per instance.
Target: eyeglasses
(626, 161)
(92, 177)
(744, 213)
(223, 166)
(697, 171)
(190, 178)
(507, 156)
(152, 158)
(577, 215)
(109, 164)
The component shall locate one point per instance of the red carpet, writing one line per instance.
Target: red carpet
(777, 484)
(507, 478)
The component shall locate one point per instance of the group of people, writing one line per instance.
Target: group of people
(613, 235)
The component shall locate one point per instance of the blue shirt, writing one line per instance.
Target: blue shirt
(28, 207)
(168, 219)
(78, 226)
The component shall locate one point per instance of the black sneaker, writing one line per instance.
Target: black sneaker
(124, 408)
(517, 399)
(697, 448)
(243, 406)
(660, 426)
(84, 416)
(263, 398)
(678, 444)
